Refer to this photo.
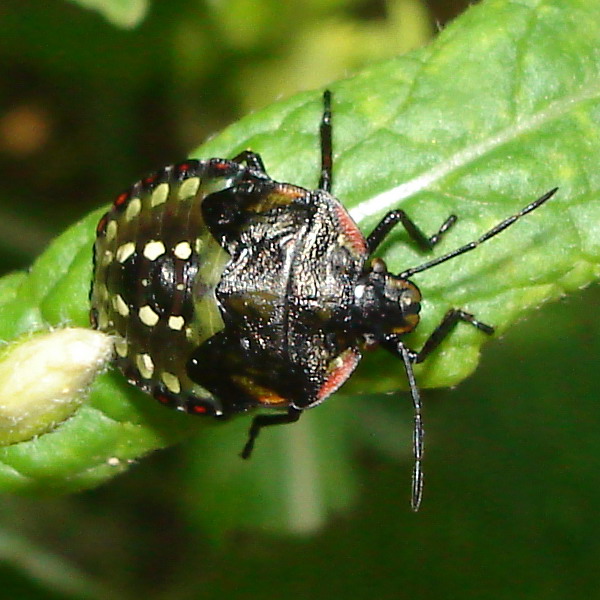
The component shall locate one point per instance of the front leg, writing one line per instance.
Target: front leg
(252, 159)
(394, 217)
(443, 330)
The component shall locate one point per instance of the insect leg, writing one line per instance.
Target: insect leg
(326, 144)
(441, 332)
(252, 159)
(260, 421)
(394, 217)
(486, 236)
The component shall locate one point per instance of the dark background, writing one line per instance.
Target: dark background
(513, 475)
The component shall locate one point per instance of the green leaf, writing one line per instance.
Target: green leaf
(503, 106)
(117, 424)
(122, 13)
(498, 110)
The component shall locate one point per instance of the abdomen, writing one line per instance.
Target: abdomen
(156, 269)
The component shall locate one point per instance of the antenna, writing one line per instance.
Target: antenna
(486, 236)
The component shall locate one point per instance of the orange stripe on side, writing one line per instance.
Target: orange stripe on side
(338, 375)
(350, 230)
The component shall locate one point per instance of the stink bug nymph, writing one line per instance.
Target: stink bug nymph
(227, 291)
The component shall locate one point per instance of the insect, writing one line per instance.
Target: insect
(227, 291)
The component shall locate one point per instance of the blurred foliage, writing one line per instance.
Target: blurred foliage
(512, 493)
(123, 13)
(86, 107)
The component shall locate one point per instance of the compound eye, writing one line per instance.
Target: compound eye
(410, 297)
(402, 289)
(378, 266)
(407, 297)
(409, 306)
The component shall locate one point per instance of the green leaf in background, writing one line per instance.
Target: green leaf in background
(500, 108)
(48, 570)
(122, 13)
(299, 477)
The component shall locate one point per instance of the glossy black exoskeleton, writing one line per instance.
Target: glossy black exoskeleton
(227, 290)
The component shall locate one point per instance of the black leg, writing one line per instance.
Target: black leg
(326, 144)
(486, 236)
(441, 332)
(394, 217)
(260, 421)
(252, 159)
